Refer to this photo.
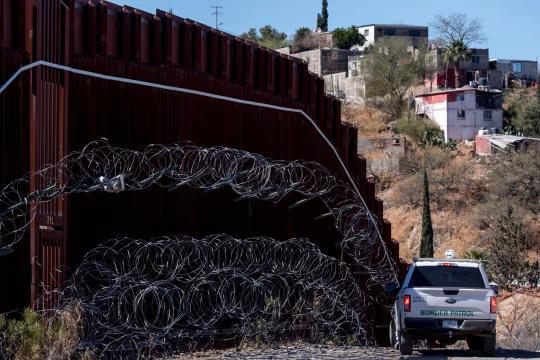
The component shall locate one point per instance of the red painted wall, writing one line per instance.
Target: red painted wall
(482, 145)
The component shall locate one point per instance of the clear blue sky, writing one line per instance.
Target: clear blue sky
(512, 27)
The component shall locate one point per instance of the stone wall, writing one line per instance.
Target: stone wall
(345, 87)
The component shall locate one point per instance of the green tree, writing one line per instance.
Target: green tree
(251, 35)
(268, 36)
(506, 251)
(391, 73)
(523, 109)
(426, 242)
(322, 17)
(303, 40)
(272, 38)
(345, 38)
(527, 120)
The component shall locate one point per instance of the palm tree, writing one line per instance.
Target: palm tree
(456, 53)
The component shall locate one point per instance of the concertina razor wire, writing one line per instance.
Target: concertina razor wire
(174, 292)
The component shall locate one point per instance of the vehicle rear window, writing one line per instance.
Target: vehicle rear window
(446, 276)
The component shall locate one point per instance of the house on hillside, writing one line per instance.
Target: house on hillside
(523, 71)
(326, 61)
(321, 56)
(336, 66)
(416, 35)
(462, 112)
(351, 84)
(474, 69)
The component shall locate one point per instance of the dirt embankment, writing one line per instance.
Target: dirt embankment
(467, 195)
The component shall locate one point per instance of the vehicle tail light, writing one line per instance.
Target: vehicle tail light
(447, 264)
(407, 303)
(493, 305)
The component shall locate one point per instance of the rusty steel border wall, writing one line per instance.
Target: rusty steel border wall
(47, 113)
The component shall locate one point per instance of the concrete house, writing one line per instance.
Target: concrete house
(462, 112)
(474, 69)
(350, 84)
(525, 71)
(416, 35)
(326, 61)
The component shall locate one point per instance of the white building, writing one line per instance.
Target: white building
(416, 35)
(461, 113)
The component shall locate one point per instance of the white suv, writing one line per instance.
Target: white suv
(443, 301)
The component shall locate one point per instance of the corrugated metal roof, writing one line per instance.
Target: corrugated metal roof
(502, 141)
(461, 89)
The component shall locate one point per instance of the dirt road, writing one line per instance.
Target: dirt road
(309, 351)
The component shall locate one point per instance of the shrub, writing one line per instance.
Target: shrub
(514, 178)
(303, 40)
(518, 323)
(36, 337)
(506, 251)
(523, 110)
(368, 120)
(433, 136)
(473, 254)
(452, 183)
(423, 132)
(345, 38)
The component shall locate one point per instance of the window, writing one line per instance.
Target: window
(475, 59)
(487, 115)
(447, 276)
(366, 32)
(461, 114)
(414, 33)
(516, 67)
(354, 65)
(389, 32)
(460, 97)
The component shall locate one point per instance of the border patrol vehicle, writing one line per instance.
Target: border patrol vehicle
(443, 301)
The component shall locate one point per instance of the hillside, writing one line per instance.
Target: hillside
(468, 193)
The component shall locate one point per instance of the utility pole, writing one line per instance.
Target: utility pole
(216, 13)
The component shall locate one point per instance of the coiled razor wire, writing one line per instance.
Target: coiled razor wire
(103, 167)
(145, 297)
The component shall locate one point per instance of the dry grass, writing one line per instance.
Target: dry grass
(518, 323)
(369, 121)
(462, 204)
(39, 337)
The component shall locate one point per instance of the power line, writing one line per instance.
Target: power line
(217, 13)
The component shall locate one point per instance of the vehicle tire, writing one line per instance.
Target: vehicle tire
(474, 343)
(488, 346)
(405, 345)
(394, 335)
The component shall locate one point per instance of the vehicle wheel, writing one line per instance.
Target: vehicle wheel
(474, 343)
(488, 346)
(405, 345)
(394, 335)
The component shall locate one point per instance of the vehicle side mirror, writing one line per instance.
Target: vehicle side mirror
(494, 287)
(391, 289)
